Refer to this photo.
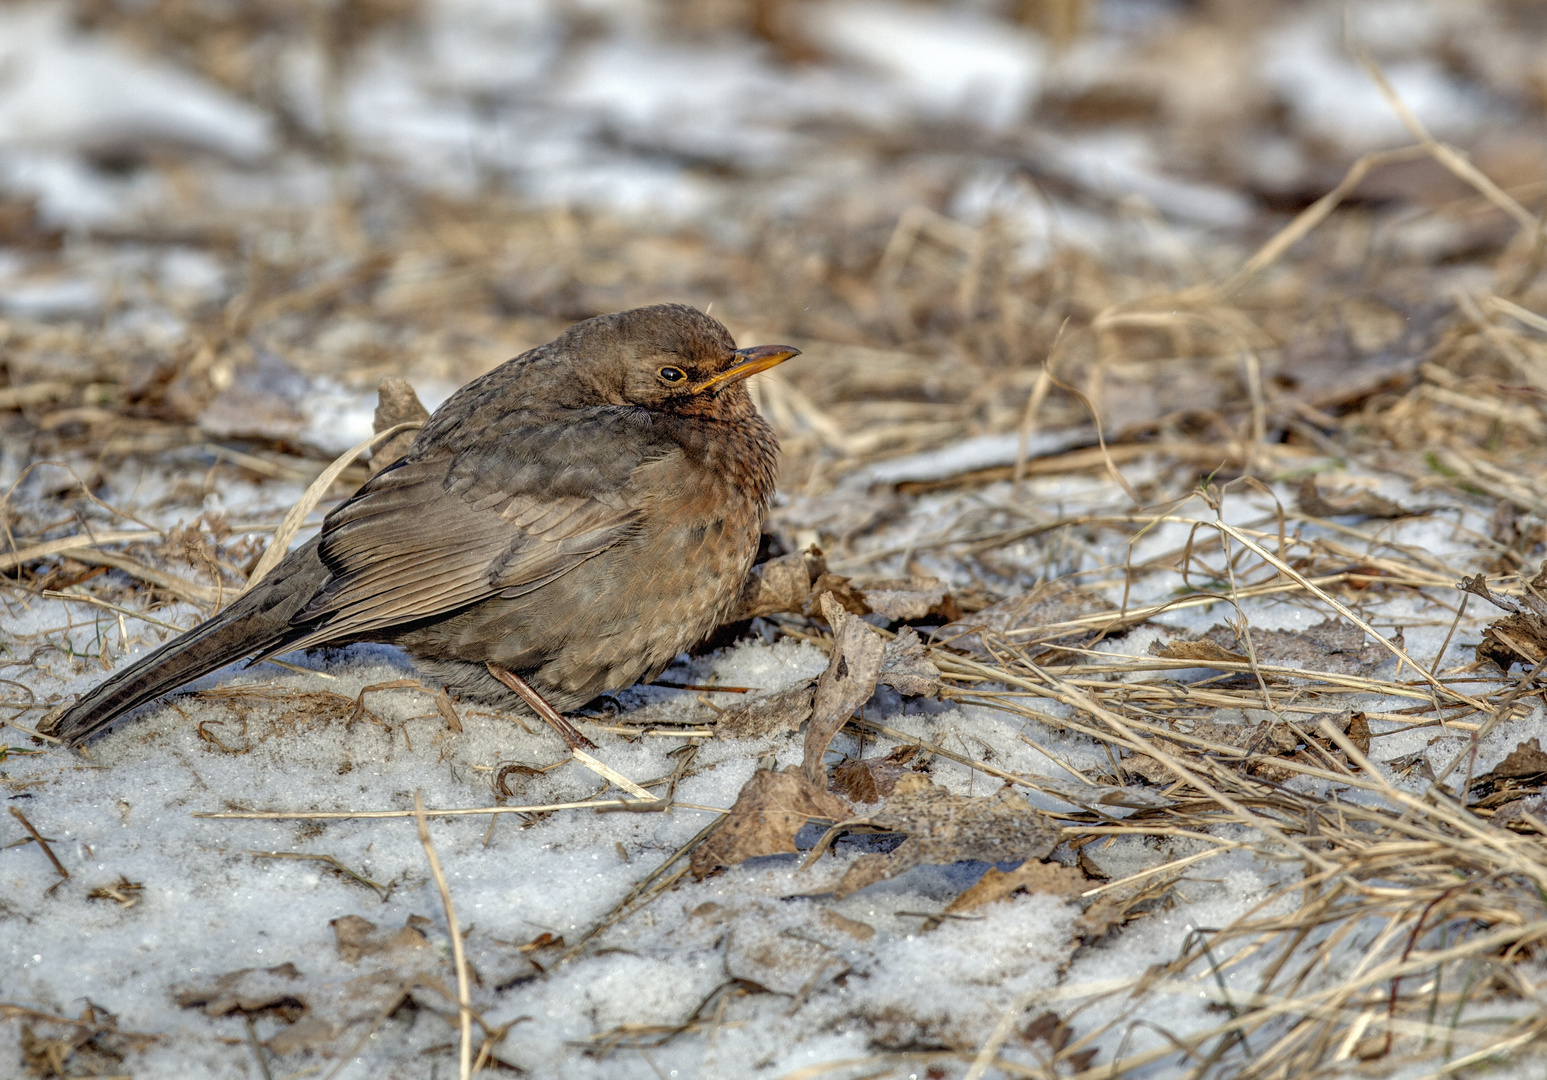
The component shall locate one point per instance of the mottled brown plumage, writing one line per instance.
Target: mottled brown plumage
(577, 517)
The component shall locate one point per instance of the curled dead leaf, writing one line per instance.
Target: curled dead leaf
(902, 598)
(771, 808)
(906, 667)
(767, 714)
(847, 683)
(780, 586)
(396, 403)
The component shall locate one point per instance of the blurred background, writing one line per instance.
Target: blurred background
(226, 220)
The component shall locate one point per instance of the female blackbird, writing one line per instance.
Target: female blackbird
(561, 526)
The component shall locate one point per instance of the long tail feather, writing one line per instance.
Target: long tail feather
(256, 622)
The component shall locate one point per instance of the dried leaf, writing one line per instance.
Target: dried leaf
(1361, 504)
(780, 586)
(307, 1033)
(946, 828)
(767, 714)
(1359, 732)
(1527, 759)
(1196, 650)
(843, 591)
(847, 683)
(906, 668)
(1514, 639)
(249, 990)
(853, 928)
(1517, 811)
(902, 598)
(771, 809)
(357, 937)
(1030, 876)
(1330, 645)
(1049, 603)
(869, 780)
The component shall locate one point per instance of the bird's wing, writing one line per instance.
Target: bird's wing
(501, 514)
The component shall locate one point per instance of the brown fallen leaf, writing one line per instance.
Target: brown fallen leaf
(1361, 504)
(842, 589)
(906, 668)
(1330, 645)
(781, 585)
(853, 928)
(248, 990)
(847, 683)
(1518, 811)
(946, 828)
(1526, 759)
(771, 808)
(357, 937)
(902, 598)
(869, 780)
(769, 714)
(1053, 602)
(1196, 650)
(1031, 876)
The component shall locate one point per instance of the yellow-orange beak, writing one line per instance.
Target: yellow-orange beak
(749, 362)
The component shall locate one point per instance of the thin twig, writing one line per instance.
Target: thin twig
(459, 958)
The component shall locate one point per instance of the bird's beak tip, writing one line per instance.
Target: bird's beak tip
(749, 362)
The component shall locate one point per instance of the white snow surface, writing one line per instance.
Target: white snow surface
(842, 978)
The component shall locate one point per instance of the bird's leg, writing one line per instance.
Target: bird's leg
(567, 731)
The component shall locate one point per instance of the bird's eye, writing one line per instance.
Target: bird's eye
(672, 374)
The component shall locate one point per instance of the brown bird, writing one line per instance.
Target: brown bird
(561, 527)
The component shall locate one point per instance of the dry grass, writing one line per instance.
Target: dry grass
(924, 332)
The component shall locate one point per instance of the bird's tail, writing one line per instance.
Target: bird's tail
(258, 620)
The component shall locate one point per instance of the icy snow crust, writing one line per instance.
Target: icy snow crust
(211, 905)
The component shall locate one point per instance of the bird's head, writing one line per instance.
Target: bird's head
(673, 358)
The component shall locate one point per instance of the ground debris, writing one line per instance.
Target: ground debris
(1331, 645)
(1361, 504)
(782, 585)
(357, 937)
(869, 780)
(1030, 876)
(944, 828)
(1020, 619)
(1512, 789)
(903, 598)
(1521, 636)
(248, 990)
(847, 683)
(1278, 739)
(768, 714)
(906, 667)
(784, 963)
(396, 403)
(771, 808)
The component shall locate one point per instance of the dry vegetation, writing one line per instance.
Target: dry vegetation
(1221, 371)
